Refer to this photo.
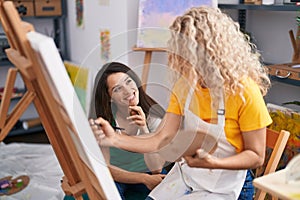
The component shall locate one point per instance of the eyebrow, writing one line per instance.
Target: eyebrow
(119, 82)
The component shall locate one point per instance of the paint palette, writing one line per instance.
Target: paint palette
(10, 186)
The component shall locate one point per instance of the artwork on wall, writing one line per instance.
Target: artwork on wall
(286, 119)
(80, 79)
(105, 44)
(104, 2)
(79, 13)
(155, 16)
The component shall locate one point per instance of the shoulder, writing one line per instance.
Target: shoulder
(250, 86)
(178, 96)
(253, 113)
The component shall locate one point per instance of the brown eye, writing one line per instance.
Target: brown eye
(128, 81)
(116, 89)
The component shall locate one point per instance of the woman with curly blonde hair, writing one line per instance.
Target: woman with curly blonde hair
(208, 46)
(219, 91)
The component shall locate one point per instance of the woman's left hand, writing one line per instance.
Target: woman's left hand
(201, 159)
(153, 180)
(139, 118)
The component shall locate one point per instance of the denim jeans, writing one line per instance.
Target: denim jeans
(248, 189)
(148, 198)
(138, 190)
(134, 191)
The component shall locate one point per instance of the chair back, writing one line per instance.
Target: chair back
(277, 142)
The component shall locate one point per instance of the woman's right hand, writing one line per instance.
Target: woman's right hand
(103, 131)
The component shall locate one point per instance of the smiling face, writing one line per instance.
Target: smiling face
(122, 89)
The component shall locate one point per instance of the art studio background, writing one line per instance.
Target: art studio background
(90, 33)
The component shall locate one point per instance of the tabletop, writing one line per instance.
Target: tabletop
(276, 185)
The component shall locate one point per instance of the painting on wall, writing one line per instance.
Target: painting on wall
(155, 16)
(80, 78)
(105, 44)
(79, 13)
(104, 2)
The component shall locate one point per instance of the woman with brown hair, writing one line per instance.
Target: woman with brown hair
(119, 98)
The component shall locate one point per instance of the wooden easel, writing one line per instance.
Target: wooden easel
(79, 178)
(296, 45)
(147, 61)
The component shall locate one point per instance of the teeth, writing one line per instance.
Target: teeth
(130, 97)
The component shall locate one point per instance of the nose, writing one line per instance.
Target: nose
(126, 89)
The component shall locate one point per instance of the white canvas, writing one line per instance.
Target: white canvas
(86, 145)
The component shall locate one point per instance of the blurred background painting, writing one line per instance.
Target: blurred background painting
(155, 17)
(287, 119)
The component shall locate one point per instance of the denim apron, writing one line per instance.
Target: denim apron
(184, 182)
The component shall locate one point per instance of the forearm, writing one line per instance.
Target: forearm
(137, 144)
(244, 160)
(152, 143)
(252, 156)
(124, 176)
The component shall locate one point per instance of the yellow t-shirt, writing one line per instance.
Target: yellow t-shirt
(240, 116)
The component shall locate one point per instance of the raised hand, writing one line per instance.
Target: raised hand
(103, 131)
(138, 116)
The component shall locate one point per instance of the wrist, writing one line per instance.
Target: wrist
(144, 178)
(145, 129)
(116, 140)
(215, 162)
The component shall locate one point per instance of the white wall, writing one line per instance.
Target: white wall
(121, 18)
(269, 30)
(84, 41)
(271, 33)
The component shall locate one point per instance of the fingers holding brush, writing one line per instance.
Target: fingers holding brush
(96, 128)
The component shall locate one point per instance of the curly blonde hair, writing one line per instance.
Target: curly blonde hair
(207, 46)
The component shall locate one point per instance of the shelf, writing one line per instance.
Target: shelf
(17, 94)
(286, 81)
(284, 7)
(59, 23)
(285, 73)
(44, 17)
(21, 131)
(5, 63)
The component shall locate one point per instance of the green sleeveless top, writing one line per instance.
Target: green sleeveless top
(131, 161)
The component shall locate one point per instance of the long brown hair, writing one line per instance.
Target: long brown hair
(102, 100)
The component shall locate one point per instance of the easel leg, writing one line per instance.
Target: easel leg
(16, 113)
(8, 121)
(75, 190)
(8, 88)
(147, 60)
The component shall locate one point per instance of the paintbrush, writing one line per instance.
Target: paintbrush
(114, 127)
